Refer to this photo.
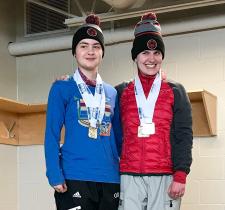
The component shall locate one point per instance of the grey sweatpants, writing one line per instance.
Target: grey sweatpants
(146, 193)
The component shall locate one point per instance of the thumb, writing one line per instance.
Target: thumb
(64, 187)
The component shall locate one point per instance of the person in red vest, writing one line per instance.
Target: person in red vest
(157, 128)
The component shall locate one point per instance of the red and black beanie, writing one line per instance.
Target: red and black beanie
(148, 36)
(89, 30)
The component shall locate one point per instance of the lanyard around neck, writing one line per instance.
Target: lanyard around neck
(146, 106)
(95, 103)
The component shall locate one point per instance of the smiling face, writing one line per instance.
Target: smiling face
(88, 55)
(149, 62)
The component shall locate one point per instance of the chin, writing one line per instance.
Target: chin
(152, 73)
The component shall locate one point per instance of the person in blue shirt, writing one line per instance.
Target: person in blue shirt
(84, 170)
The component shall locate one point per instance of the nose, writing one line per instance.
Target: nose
(91, 50)
(151, 57)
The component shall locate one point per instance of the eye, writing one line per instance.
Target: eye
(145, 52)
(97, 46)
(83, 46)
(157, 52)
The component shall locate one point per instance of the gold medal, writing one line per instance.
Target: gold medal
(93, 132)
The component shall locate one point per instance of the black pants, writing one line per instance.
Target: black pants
(84, 195)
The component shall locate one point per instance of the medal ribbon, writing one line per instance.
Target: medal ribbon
(145, 106)
(95, 103)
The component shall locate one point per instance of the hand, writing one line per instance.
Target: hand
(176, 190)
(63, 77)
(163, 75)
(61, 188)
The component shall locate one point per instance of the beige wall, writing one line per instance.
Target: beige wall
(8, 154)
(197, 60)
(8, 177)
(37, 72)
(7, 62)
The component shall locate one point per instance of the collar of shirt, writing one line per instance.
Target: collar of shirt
(86, 80)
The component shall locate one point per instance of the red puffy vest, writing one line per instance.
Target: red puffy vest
(148, 155)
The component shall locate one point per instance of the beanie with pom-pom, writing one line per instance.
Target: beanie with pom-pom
(148, 35)
(89, 30)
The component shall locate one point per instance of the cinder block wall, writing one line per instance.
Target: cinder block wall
(197, 60)
(8, 178)
(8, 88)
(7, 62)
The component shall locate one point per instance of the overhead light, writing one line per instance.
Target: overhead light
(112, 16)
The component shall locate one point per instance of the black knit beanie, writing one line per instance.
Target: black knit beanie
(89, 30)
(148, 36)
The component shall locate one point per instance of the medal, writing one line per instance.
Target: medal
(146, 106)
(146, 129)
(95, 103)
(93, 132)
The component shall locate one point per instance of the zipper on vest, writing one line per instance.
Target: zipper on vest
(142, 155)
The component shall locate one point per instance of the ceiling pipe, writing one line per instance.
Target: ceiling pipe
(65, 42)
(40, 46)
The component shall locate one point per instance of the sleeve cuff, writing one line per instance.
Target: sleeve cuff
(180, 176)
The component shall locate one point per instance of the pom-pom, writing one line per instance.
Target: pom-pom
(92, 19)
(149, 15)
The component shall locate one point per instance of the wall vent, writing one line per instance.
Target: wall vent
(44, 16)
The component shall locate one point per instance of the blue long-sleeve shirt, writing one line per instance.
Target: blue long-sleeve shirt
(80, 157)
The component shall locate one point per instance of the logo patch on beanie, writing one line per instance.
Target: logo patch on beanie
(92, 32)
(152, 44)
